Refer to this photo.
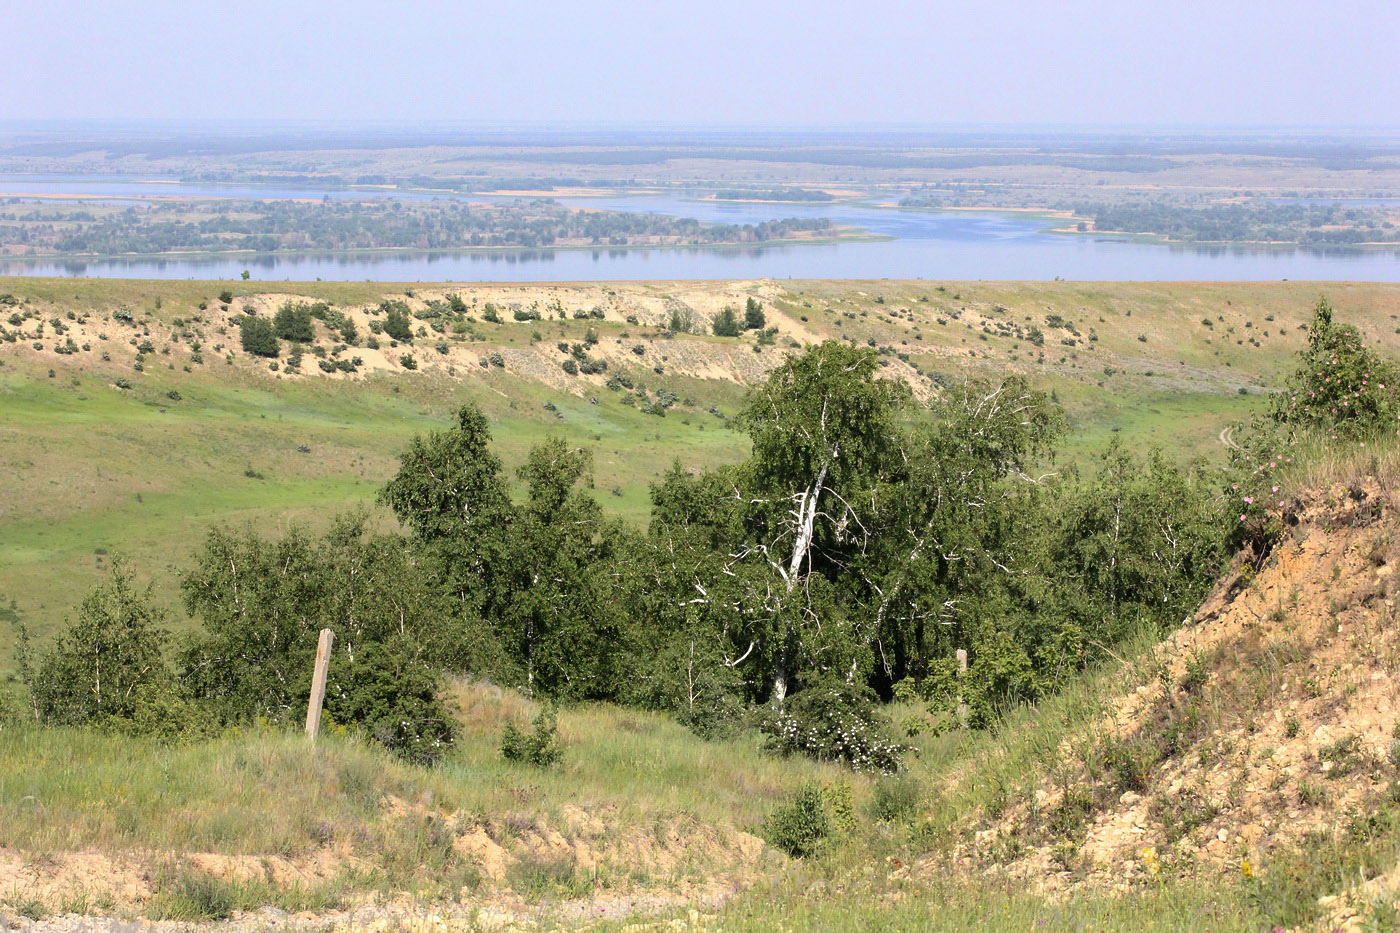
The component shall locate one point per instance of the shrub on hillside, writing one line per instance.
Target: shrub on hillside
(293, 322)
(391, 695)
(799, 827)
(835, 721)
(397, 323)
(754, 318)
(1341, 391)
(1341, 384)
(257, 336)
(726, 324)
(539, 746)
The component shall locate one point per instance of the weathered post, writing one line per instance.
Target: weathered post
(962, 675)
(318, 683)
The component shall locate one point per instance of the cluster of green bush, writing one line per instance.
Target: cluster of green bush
(865, 542)
(261, 605)
(728, 323)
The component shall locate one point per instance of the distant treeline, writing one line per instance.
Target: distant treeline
(464, 182)
(860, 158)
(271, 226)
(1259, 222)
(773, 194)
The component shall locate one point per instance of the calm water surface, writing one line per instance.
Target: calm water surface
(929, 245)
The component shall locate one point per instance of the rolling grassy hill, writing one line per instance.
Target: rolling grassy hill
(1034, 824)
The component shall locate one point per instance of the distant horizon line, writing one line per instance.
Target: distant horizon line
(428, 126)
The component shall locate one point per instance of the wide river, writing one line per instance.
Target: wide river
(926, 244)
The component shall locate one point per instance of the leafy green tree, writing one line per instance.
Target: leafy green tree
(943, 530)
(556, 613)
(109, 662)
(257, 336)
(725, 324)
(540, 574)
(262, 604)
(450, 493)
(823, 431)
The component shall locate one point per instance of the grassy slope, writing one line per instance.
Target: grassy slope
(666, 829)
(78, 464)
(90, 469)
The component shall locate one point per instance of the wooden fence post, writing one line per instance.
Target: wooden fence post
(318, 683)
(962, 674)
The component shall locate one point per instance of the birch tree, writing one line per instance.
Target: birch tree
(823, 429)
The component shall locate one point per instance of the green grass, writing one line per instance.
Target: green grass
(665, 807)
(266, 795)
(871, 903)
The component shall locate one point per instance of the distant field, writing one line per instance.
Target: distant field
(92, 470)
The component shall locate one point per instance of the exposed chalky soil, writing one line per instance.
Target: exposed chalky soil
(1263, 726)
(637, 912)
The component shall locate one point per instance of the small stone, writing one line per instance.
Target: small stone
(1223, 836)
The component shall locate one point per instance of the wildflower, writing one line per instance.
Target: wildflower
(1149, 860)
(1246, 869)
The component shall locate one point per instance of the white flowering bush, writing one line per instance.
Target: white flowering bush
(836, 722)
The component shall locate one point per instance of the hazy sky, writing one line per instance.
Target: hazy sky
(1248, 62)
